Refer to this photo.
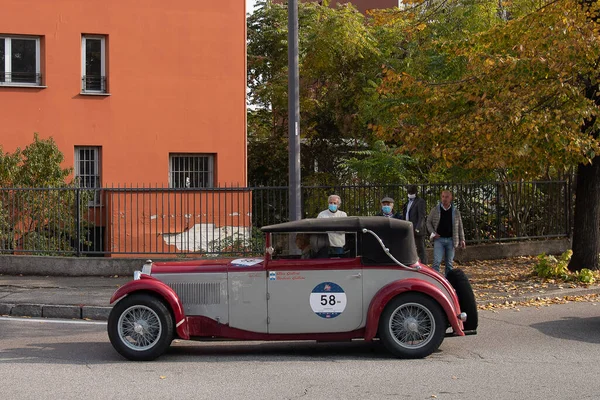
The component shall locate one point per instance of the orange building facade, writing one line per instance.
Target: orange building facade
(132, 92)
(135, 94)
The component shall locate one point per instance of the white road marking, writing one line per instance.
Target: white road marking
(52, 321)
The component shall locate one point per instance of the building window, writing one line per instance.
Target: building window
(87, 170)
(191, 170)
(20, 61)
(93, 64)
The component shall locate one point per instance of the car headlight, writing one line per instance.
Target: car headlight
(147, 268)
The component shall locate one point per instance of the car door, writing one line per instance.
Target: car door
(247, 284)
(314, 295)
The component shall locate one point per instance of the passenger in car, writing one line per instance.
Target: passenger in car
(312, 246)
(303, 243)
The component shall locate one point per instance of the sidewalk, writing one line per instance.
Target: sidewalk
(58, 297)
(88, 297)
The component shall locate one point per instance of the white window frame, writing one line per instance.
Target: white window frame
(102, 62)
(211, 169)
(8, 61)
(97, 175)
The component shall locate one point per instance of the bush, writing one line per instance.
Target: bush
(585, 276)
(551, 267)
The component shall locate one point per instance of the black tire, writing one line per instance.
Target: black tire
(466, 298)
(412, 325)
(140, 327)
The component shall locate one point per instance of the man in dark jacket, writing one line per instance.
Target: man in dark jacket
(387, 209)
(414, 211)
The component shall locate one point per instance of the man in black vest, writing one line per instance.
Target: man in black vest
(446, 229)
(414, 211)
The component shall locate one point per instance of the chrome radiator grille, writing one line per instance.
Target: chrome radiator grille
(197, 293)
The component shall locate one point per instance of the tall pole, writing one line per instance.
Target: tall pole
(294, 112)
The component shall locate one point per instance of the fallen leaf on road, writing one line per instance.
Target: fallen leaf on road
(163, 377)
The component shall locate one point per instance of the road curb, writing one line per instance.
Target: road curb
(549, 294)
(55, 311)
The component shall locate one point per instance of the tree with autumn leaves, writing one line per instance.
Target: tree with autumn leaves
(487, 87)
(518, 96)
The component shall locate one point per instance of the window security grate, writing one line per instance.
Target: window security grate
(191, 170)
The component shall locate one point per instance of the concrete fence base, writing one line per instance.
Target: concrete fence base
(100, 266)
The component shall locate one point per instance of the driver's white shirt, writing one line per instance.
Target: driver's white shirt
(335, 239)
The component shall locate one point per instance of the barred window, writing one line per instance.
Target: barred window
(87, 170)
(191, 170)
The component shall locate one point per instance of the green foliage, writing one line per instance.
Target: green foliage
(41, 165)
(551, 267)
(506, 93)
(339, 64)
(585, 276)
(38, 207)
(379, 165)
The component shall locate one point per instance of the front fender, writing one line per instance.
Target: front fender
(388, 292)
(149, 284)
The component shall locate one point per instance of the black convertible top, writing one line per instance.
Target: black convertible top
(396, 234)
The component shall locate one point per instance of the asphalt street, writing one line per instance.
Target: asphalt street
(548, 353)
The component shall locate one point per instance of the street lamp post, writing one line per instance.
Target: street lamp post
(294, 113)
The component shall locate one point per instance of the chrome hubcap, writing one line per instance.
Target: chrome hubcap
(139, 327)
(412, 325)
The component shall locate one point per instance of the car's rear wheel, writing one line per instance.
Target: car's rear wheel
(140, 327)
(412, 325)
(466, 298)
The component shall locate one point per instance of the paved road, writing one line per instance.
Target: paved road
(550, 353)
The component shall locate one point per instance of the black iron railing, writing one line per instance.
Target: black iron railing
(93, 84)
(20, 78)
(227, 220)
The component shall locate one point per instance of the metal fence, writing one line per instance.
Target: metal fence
(227, 220)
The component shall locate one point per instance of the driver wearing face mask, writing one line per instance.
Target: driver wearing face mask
(387, 209)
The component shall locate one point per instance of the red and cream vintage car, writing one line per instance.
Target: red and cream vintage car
(371, 288)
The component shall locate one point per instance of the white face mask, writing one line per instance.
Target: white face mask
(412, 196)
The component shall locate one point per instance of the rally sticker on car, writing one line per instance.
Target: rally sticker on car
(328, 300)
(246, 262)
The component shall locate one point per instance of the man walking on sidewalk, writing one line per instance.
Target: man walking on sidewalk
(414, 211)
(446, 229)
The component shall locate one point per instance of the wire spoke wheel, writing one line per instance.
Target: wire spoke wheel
(139, 327)
(411, 325)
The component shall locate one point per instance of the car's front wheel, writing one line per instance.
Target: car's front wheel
(412, 325)
(140, 327)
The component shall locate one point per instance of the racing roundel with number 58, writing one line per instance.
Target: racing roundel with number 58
(328, 300)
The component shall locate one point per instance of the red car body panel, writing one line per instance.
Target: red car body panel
(204, 327)
(391, 290)
(147, 283)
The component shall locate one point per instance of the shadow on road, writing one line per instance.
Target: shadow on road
(90, 353)
(278, 351)
(573, 328)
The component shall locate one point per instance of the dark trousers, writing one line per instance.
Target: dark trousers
(420, 242)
